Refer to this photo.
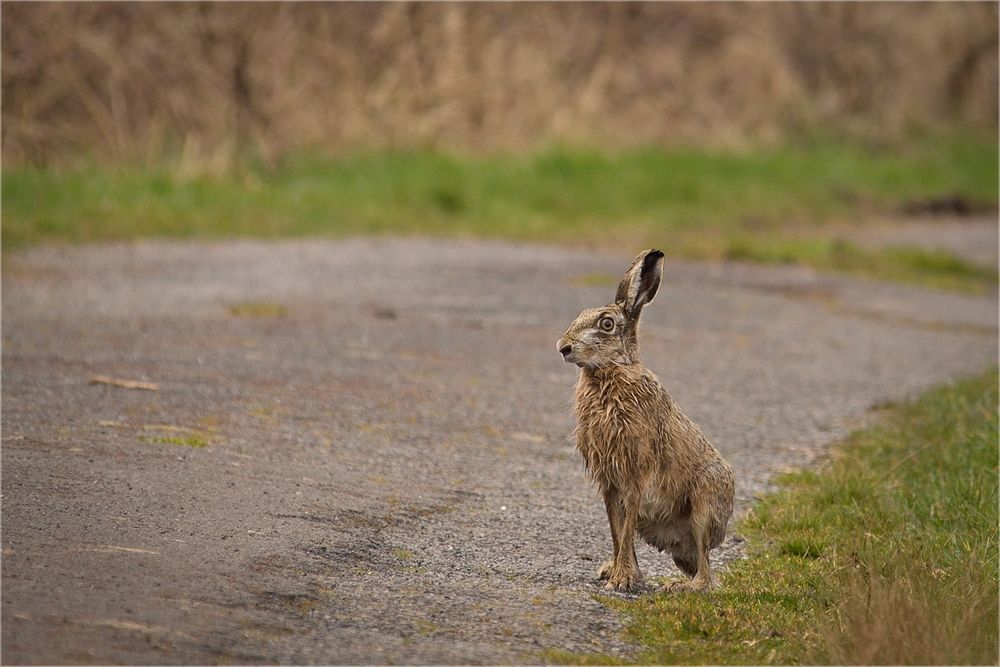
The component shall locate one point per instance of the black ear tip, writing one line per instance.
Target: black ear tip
(652, 257)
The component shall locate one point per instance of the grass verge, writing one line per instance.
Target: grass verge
(697, 203)
(935, 269)
(888, 555)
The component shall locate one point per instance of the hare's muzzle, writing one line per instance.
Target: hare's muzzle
(565, 348)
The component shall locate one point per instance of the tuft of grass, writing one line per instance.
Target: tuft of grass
(260, 309)
(805, 548)
(195, 441)
(177, 435)
(426, 628)
(887, 555)
(402, 554)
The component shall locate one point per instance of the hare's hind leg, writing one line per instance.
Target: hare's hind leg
(685, 554)
(687, 563)
(694, 562)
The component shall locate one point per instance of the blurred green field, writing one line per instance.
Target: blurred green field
(766, 204)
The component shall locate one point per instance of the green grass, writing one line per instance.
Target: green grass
(694, 202)
(887, 555)
(196, 441)
(258, 309)
(919, 266)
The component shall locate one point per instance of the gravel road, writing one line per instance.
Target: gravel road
(386, 472)
(975, 239)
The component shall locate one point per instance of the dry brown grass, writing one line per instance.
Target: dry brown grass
(908, 618)
(140, 81)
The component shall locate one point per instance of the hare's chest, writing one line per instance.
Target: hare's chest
(615, 441)
(614, 412)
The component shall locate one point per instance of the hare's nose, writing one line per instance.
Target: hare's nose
(565, 349)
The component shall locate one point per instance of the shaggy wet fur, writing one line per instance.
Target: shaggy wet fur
(657, 472)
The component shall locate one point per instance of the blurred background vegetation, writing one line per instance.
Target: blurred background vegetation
(144, 81)
(720, 130)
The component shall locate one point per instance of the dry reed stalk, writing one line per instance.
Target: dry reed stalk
(136, 81)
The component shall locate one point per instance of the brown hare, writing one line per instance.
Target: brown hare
(658, 473)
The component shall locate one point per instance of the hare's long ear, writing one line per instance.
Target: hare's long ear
(639, 285)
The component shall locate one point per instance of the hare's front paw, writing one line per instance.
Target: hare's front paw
(623, 580)
(605, 570)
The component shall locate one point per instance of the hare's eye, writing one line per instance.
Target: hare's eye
(606, 324)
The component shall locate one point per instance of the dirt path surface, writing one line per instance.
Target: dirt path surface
(975, 239)
(387, 474)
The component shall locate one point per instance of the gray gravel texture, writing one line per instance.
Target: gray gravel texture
(975, 239)
(389, 476)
